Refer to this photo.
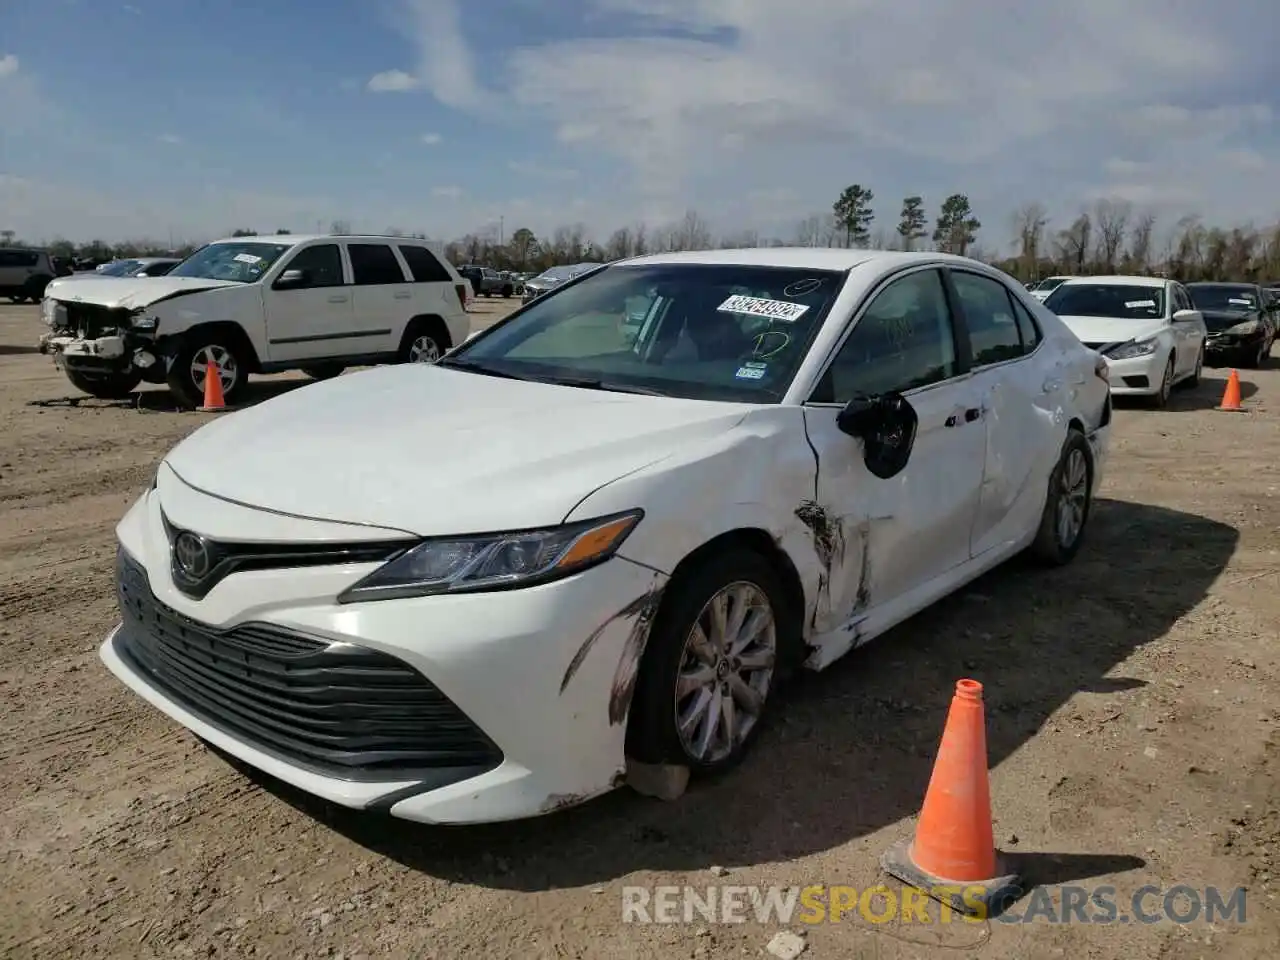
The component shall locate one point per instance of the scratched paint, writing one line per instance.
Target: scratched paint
(624, 680)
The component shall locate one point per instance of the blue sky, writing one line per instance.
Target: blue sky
(172, 117)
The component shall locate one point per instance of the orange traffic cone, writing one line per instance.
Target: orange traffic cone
(1231, 395)
(213, 399)
(952, 857)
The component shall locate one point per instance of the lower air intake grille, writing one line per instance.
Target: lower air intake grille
(354, 713)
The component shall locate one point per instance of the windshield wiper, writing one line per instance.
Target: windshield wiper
(595, 383)
(472, 367)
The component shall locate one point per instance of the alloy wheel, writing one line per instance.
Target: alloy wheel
(726, 672)
(223, 360)
(424, 349)
(1073, 497)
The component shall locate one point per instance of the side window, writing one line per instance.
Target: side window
(323, 264)
(1027, 325)
(1181, 298)
(903, 340)
(424, 266)
(374, 263)
(988, 313)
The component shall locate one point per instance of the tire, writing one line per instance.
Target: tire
(104, 385)
(1160, 399)
(185, 372)
(1258, 359)
(653, 732)
(35, 288)
(1057, 541)
(324, 372)
(507, 291)
(421, 344)
(1194, 380)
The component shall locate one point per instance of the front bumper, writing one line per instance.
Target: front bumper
(535, 672)
(1221, 346)
(1137, 376)
(114, 352)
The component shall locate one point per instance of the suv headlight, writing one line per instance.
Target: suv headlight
(1248, 328)
(1138, 348)
(495, 561)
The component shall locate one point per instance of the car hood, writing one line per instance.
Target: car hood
(1110, 330)
(1216, 321)
(128, 292)
(432, 451)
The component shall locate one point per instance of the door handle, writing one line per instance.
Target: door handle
(404, 296)
(341, 298)
(1052, 386)
(951, 421)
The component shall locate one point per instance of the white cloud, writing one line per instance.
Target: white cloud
(392, 81)
(447, 193)
(710, 101)
(431, 139)
(8, 65)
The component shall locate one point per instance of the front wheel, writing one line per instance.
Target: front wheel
(1194, 380)
(189, 367)
(105, 385)
(709, 670)
(1069, 503)
(1160, 399)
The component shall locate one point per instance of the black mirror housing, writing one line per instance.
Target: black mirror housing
(886, 424)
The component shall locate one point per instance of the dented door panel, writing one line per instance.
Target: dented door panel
(888, 537)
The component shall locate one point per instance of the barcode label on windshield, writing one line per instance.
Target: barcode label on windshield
(1135, 304)
(756, 307)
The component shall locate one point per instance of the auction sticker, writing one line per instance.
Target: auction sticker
(752, 371)
(246, 258)
(757, 307)
(1135, 304)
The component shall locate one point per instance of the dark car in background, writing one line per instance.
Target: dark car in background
(551, 278)
(486, 282)
(1241, 321)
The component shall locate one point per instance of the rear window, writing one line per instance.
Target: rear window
(374, 263)
(424, 266)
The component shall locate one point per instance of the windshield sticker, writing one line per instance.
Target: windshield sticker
(801, 287)
(246, 258)
(752, 371)
(1240, 303)
(757, 307)
(1135, 304)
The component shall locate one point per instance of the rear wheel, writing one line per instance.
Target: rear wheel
(1069, 503)
(105, 385)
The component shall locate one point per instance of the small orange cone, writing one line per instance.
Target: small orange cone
(213, 399)
(952, 857)
(1231, 395)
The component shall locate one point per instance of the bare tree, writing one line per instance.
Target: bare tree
(340, 228)
(1111, 217)
(691, 233)
(1029, 223)
(1073, 244)
(1138, 258)
(809, 231)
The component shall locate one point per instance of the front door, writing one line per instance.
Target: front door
(309, 321)
(893, 536)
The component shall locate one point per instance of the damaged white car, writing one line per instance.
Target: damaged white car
(256, 305)
(581, 547)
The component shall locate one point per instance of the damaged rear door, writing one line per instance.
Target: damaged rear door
(879, 539)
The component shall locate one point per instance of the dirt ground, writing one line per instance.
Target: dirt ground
(1133, 732)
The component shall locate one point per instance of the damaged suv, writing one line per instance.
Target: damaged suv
(590, 541)
(256, 305)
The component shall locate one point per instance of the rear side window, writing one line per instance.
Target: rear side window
(424, 266)
(18, 258)
(374, 263)
(1027, 326)
(994, 334)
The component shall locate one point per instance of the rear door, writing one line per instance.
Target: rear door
(383, 296)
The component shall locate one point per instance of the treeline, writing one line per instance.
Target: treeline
(1110, 236)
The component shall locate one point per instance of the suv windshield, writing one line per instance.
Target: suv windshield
(241, 262)
(697, 331)
(1223, 297)
(1115, 301)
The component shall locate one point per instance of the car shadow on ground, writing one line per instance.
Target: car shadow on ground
(161, 400)
(1205, 395)
(852, 749)
(16, 350)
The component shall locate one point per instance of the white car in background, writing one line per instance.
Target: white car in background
(249, 305)
(1146, 327)
(489, 588)
(1046, 286)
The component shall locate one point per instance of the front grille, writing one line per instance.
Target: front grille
(351, 712)
(91, 321)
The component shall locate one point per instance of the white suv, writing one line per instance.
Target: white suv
(257, 305)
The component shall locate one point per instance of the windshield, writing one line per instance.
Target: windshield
(1052, 283)
(1114, 301)
(697, 331)
(241, 262)
(121, 268)
(1223, 297)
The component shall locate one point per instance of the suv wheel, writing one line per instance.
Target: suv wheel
(189, 366)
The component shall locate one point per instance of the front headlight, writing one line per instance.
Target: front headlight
(495, 561)
(48, 310)
(1138, 348)
(1246, 329)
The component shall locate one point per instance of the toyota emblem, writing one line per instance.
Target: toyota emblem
(192, 556)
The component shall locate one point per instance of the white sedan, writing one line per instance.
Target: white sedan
(488, 588)
(1046, 286)
(1146, 327)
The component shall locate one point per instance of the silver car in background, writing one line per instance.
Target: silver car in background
(553, 277)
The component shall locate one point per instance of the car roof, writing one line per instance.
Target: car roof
(1222, 283)
(295, 238)
(1118, 281)
(813, 258)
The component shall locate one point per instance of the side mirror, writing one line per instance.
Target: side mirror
(886, 424)
(1186, 316)
(291, 279)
